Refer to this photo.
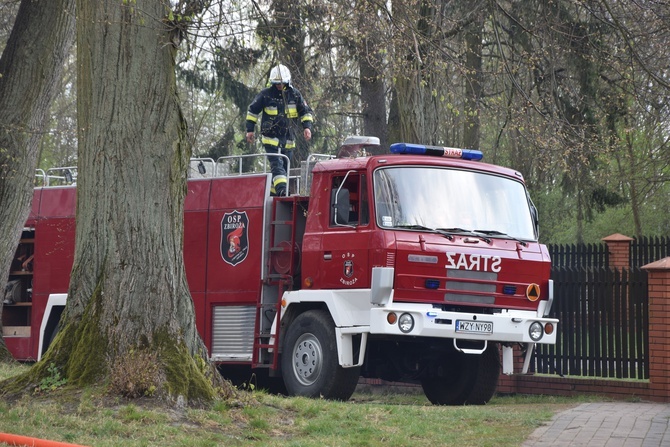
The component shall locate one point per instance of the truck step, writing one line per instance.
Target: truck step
(265, 345)
(282, 222)
(279, 277)
(281, 249)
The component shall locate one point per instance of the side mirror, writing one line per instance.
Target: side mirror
(536, 219)
(340, 204)
(534, 214)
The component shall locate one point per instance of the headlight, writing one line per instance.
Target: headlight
(535, 331)
(406, 323)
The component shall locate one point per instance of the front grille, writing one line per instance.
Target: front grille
(476, 282)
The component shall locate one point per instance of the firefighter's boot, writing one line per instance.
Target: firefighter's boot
(278, 186)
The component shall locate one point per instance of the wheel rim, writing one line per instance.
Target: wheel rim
(307, 359)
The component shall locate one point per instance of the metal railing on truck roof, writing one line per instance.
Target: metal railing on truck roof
(238, 165)
(66, 175)
(202, 167)
(247, 164)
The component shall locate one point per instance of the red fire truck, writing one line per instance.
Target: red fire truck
(415, 266)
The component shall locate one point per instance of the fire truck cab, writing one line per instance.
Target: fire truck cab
(419, 265)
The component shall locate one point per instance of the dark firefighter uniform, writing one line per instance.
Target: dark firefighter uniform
(280, 108)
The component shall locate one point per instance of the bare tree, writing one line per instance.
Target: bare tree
(30, 68)
(473, 81)
(371, 78)
(129, 305)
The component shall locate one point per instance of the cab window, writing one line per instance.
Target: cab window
(351, 188)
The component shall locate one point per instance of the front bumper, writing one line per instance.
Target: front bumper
(511, 326)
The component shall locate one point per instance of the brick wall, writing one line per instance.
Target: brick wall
(659, 328)
(657, 388)
(618, 246)
(557, 386)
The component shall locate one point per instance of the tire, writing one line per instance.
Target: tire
(451, 379)
(309, 361)
(276, 385)
(488, 374)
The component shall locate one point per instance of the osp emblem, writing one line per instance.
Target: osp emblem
(234, 237)
(348, 268)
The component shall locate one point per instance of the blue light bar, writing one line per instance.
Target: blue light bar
(438, 151)
(509, 290)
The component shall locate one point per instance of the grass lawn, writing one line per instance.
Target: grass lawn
(89, 417)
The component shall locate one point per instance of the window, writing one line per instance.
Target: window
(351, 188)
(440, 198)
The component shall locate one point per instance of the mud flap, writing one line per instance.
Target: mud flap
(530, 348)
(345, 346)
(508, 360)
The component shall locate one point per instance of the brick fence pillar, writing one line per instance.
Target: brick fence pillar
(659, 329)
(619, 250)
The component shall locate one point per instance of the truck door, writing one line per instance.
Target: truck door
(345, 243)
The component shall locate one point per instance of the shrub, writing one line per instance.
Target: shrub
(136, 374)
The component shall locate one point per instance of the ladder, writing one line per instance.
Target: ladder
(281, 266)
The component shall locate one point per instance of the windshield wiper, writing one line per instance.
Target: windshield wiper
(455, 230)
(500, 233)
(478, 234)
(432, 230)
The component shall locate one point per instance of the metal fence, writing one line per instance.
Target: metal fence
(645, 250)
(603, 329)
(578, 255)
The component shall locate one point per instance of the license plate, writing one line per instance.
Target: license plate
(474, 327)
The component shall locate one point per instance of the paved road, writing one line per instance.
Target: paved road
(610, 424)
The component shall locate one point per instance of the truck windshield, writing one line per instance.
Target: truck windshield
(451, 200)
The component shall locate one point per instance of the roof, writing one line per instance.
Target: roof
(372, 162)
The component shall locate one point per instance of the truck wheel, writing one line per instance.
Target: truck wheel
(488, 373)
(452, 379)
(309, 360)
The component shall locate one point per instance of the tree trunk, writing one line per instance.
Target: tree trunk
(30, 68)
(373, 97)
(408, 98)
(371, 79)
(632, 181)
(410, 107)
(128, 296)
(288, 39)
(473, 83)
(418, 118)
(394, 119)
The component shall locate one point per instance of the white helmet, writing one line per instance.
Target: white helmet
(280, 75)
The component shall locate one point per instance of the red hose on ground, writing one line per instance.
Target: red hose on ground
(17, 440)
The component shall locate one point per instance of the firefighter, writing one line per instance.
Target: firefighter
(281, 105)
